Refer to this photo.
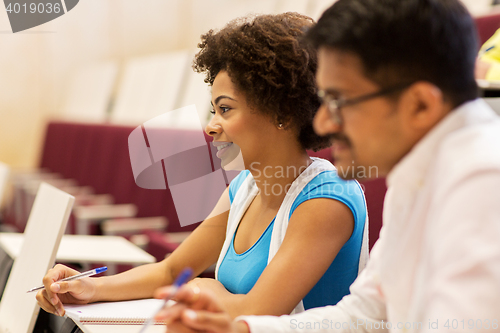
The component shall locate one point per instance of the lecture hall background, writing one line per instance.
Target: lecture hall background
(38, 65)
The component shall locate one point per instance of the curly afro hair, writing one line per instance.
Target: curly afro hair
(267, 59)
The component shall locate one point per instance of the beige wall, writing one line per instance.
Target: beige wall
(36, 65)
(478, 7)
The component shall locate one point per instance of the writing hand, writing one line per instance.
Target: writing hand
(197, 310)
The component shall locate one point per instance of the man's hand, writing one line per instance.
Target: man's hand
(482, 68)
(197, 311)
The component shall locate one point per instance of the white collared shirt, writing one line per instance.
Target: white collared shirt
(436, 265)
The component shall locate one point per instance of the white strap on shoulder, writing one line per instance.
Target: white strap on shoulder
(244, 196)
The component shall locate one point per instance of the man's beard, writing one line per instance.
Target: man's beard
(345, 168)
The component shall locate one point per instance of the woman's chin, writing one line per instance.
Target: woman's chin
(236, 163)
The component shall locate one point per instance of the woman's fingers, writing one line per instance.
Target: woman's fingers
(62, 287)
(58, 272)
(56, 292)
(47, 305)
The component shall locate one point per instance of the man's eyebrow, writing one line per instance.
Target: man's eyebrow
(221, 97)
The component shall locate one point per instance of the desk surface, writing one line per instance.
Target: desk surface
(85, 249)
(488, 85)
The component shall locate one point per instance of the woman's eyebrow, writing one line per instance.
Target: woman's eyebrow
(221, 97)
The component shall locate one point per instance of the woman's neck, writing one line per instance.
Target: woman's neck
(274, 177)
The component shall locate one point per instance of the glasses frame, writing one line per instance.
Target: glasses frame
(334, 105)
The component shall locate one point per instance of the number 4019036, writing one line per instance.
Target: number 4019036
(33, 8)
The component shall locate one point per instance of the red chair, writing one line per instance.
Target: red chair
(486, 26)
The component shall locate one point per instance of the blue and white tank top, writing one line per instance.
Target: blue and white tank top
(239, 272)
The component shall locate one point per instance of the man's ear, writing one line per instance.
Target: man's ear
(424, 105)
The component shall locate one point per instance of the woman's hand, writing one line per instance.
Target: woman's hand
(197, 310)
(51, 298)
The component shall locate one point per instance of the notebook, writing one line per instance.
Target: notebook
(134, 312)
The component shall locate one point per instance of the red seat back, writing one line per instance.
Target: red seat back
(486, 26)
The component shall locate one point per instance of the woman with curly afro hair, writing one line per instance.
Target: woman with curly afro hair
(292, 233)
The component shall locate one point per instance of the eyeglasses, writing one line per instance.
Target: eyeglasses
(334, 104)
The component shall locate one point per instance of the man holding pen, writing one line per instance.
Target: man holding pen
(397, 83)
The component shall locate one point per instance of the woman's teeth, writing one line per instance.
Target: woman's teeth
(223, 146)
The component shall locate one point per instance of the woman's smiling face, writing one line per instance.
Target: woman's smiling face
(235, 125)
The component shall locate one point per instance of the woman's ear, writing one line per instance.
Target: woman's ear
(281, 123)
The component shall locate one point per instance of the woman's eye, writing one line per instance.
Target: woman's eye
(223, 109)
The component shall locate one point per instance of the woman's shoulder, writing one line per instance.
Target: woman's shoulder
(331, 178)
(328, 184)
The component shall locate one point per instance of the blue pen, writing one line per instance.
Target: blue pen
(488, 49)
(179, 281)
(76, 277)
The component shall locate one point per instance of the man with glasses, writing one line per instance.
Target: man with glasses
(396, 78)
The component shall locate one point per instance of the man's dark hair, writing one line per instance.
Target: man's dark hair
(404, 41)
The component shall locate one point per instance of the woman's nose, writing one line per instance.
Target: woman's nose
(213, 127)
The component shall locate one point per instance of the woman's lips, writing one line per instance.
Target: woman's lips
(223, 150)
